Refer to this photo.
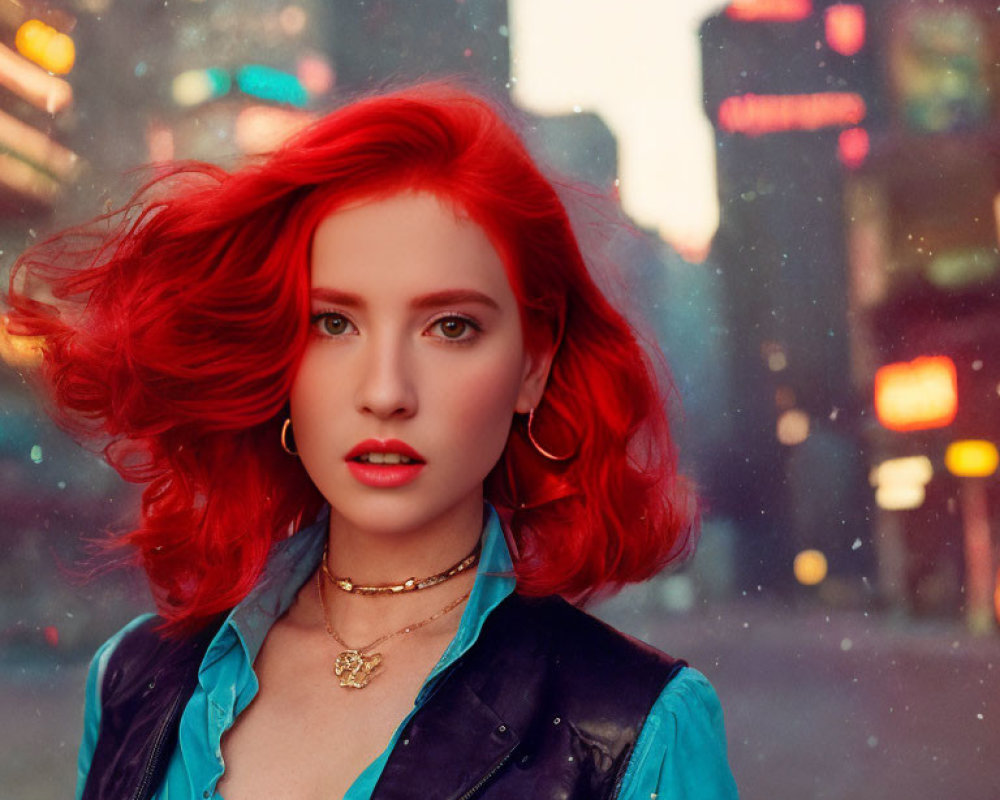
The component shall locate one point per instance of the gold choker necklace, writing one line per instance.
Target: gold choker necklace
(409, 585)
(355, 666)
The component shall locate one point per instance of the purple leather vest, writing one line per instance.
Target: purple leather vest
(548, 703)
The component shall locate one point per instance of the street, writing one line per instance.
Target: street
(843, 706)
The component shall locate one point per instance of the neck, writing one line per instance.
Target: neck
(370, 555)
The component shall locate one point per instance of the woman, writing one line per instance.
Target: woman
(383, 340)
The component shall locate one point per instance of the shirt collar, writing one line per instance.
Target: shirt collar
(293, 560)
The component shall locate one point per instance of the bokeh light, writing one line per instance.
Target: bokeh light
(810, 567)
(972, 458)
(900, 482)
(293, 19)
(852, 147)
(845, 28)
(793, 427)
(260, 129)
(315, 75)
(195, 86)
(769, 10)
(908, 469)
(917, 394)
(47, 47)
(900, 496)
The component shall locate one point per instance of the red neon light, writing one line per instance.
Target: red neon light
(769, 10)
(918, 394)
(845, 28)
(853, 147)
(756, 114)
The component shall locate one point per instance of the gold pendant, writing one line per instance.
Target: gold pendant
(355, 669)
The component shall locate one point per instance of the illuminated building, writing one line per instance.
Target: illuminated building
(788, 88)
(859, 182)
(37, 53)
(921, 221)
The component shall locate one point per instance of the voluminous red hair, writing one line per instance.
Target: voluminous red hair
(173, 328)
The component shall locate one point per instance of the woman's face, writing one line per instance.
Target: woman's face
(415, 337)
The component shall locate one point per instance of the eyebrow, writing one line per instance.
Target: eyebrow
(446, 297)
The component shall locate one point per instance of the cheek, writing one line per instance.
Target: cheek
(314, 400)
(306, 387)
(479, 404)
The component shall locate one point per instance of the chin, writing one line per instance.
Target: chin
(396, 512)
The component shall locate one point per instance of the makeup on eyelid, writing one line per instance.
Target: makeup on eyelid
(472, 324)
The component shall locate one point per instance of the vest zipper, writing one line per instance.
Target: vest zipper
(486, 778)
(147, 773)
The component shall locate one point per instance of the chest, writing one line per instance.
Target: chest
(528, 711)
(304, 736)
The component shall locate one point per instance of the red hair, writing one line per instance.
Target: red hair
(175, 326)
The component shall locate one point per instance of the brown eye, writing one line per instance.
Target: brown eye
(330, 324)
(457, 329)
(453, 327)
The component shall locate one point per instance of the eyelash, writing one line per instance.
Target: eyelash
(316, 319)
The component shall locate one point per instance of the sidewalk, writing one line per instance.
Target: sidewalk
(842, 706)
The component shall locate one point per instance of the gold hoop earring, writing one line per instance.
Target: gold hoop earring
(541, 450)
(284, 434)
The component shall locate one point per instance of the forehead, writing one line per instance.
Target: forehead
(409, 241)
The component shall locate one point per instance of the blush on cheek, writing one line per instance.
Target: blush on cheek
(485, 393)
(485, 419)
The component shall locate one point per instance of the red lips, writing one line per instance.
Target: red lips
(384, 446)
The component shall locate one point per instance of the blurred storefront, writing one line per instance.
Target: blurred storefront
(858, 177)
(921, 217)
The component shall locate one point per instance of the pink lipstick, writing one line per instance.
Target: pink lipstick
(384, 464)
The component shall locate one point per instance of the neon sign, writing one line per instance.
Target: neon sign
(918, 394)
(769, 10)
(757, 114)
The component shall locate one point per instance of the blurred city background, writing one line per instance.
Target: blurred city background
(818, 189)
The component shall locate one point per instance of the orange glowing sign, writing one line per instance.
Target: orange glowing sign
(845, 28)
(769, 10)
(757, 114)
(917, 394)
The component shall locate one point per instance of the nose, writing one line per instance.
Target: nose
(386, 388)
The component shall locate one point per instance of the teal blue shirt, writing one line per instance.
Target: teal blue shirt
(681, 751)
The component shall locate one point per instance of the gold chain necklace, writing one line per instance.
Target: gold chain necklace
(409, 585)
(355, 666)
